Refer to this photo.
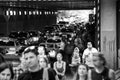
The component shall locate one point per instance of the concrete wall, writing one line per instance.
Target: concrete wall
(108, 31)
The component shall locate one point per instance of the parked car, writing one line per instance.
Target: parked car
(8, 45)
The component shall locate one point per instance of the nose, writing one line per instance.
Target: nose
(28, 61)
(5, 77)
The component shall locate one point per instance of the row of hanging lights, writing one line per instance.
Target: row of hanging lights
(30, 12)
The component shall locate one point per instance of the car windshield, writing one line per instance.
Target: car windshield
(7, 43)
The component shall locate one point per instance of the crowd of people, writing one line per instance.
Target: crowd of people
(74, 58)
(36, 65)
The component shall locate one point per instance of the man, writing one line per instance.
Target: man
(34, 71)
(88, 55)
(100, 71)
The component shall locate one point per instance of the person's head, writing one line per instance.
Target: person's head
(41, 50)
(43, 61)
(82, 71)
(59, 57)
(76, 50)
(98, 60)
(31, 57)
(89, 45)
(6, 71)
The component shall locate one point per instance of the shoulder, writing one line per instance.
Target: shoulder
(75, 77)
(89, 74)
(64, 62)
(94, 49)
(111, 73)
(51, 71)
(86, 51)
(55, 62)
(23, 75)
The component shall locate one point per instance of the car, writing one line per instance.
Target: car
(9, 45)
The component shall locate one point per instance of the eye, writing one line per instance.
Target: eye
(26, 58)
(31, 56)
(8, 74)
(3, 74)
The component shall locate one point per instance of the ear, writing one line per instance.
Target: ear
(38, 57)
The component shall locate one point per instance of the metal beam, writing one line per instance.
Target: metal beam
(57, 5)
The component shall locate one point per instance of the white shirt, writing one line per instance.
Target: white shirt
(88, 56)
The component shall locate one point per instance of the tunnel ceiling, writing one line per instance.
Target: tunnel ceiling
(48, 4)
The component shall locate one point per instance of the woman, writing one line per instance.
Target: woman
(42, 52)
(49, 73)
(100, 71)
(6, 71)
(76, 60)
(44, 63)
(60, 66)
(76, 57)
(82, 72)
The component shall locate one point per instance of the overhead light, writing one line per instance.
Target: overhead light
(11, 12)
(94, 10)
(14, 12)
(20, 13)
(33, 12)
(40, 12)
(49, 12)
(52, 12)
(55, 12)
(7, 12)
(37, 12)
(25, 12)
(30, 12)
(45, 12)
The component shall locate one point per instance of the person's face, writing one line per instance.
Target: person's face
(59, 57)
(42, 62)
(89, 45)
(76, 50)
(31, 59)
(75, 42)
(5, 75)
(41, 50)
(82, 70)
(97, 62)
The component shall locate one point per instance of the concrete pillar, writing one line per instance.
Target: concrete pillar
(108, 31)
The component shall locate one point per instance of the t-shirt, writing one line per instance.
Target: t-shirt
(104, 75)
(88, 55)
(76, 60)
(38, 75)
(51, 74)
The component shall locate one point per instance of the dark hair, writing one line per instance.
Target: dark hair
(59, 53)
(102, 58)
(93, 44)
(6, 65)
(33, 50)
(1, 59)
(90, 42)
(77, 76)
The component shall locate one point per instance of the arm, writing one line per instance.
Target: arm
(55, 68)
(73, 60)
(64, 66)
(111, 74)
(89, 75)
(84, 56)
(79, 59)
